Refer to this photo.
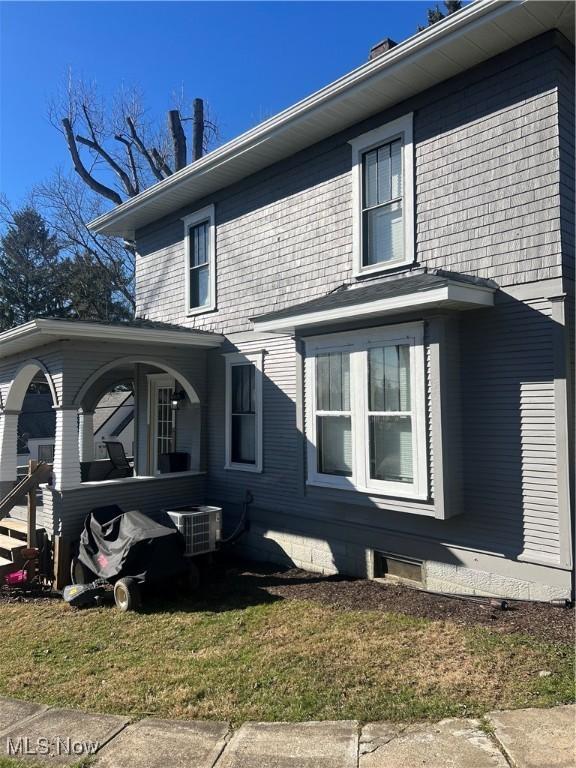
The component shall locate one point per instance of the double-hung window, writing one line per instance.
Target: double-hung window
(365, 405)
(244, 412)
(200, 266)
(382, 169)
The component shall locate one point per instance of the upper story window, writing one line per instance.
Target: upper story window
(383, 197)
(365, 395)
(200, 249)
(244, 412)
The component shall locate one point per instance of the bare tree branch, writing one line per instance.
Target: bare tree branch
(142, 149)
(165, 168)
(132, 163)
(123, 176)
(80, 169)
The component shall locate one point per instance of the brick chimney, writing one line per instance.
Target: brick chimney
(382, 47)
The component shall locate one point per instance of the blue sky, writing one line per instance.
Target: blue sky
(247, 59)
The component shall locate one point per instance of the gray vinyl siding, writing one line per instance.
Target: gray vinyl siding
(64, 512)
(509, 494)
(280, 478)
(510, 488)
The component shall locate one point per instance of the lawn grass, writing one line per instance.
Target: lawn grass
(272, 660)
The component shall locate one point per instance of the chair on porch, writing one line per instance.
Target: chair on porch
(117, 456)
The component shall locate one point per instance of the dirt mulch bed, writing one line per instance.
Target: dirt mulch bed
(11, 595)
(543, 621)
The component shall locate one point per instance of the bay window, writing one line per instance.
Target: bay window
(365, 400)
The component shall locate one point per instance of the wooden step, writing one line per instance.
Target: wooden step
(10, 524)
(11, 545)
(16, 528)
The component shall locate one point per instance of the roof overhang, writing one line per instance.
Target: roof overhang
(37, 333)
(478, 32)
(451, 296)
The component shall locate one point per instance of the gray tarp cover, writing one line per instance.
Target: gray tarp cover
(115, 544)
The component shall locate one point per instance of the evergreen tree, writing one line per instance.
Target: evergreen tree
(89, 291)
(37, 280)
(28, 276)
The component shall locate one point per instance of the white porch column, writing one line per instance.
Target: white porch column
(86, 435)
(66, 450)
(8, 447)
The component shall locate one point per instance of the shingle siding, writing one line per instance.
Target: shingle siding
(487, 183)
(493, 199)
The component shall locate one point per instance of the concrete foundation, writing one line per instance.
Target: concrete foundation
(335, 556)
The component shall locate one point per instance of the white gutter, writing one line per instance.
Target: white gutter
(458, 22)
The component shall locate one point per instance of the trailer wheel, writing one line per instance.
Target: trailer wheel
(192, 577)
(127, 595)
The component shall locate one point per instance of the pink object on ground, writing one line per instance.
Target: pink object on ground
(18, 577)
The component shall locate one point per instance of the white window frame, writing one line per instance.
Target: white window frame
(198, 217)
(357, 344)
(314, 348)
(257, 360)
(155, 382)
(402, 128)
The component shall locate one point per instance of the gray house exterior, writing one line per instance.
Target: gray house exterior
(385, 274)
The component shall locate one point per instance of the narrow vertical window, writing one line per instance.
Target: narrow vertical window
(243, 448)
(333, 415)
(390, 415)
(199, 232)
(382, 216)
(383, 197)
(244, 412)
(199, 266)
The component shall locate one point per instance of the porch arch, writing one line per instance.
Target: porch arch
(23, 379)
(133, 360)
(11, 408)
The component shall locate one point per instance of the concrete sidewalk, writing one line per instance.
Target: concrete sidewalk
(528, 738)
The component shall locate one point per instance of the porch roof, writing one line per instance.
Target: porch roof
(421, 291)
(38, 332)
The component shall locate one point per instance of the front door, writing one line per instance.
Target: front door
(162, 419)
